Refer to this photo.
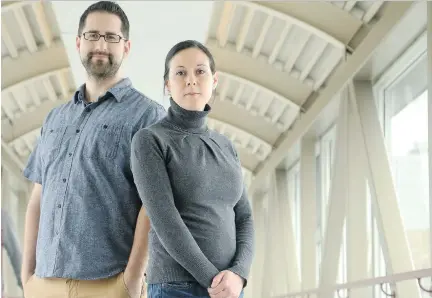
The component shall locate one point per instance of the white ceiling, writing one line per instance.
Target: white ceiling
(281, 63)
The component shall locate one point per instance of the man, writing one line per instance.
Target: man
(80, 235)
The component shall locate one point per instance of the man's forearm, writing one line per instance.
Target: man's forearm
(30, 239)
(139, 253)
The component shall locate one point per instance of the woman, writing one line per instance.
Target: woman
(190, 181)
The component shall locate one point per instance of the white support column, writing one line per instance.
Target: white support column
(253, 290)
(358, 242)
(337, 203)
(281, 263)
(273, 269)
(429, 53)
(270, 267)
(287, 230)
(308, 217)
(387, 213)
(267, 269)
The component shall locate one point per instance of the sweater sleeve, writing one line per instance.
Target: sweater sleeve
(154, 187)
(245, 238)
(245, 233)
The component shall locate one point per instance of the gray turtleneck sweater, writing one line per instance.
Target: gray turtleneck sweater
(190, 182)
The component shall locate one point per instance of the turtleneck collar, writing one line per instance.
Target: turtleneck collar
(191, 121)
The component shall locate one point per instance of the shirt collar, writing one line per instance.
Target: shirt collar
(118, 91)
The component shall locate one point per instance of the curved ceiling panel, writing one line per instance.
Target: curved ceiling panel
(42, 61)
(248, 160)
(292, 21)
(258, 71)
(34, 27)
(242, 139)
(30, 41)
(29, 94)
(35, 75)
(329, 18)
(364, 11)
(391, 14)
(257, 100)
(305, 52)
(226, 111)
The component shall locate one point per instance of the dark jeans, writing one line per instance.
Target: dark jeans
(178, 290)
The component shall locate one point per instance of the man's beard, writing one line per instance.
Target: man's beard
(100, 69)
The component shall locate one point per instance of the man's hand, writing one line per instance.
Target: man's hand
(226, 285)
(134, 283)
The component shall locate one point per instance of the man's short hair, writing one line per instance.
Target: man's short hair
(108, 7)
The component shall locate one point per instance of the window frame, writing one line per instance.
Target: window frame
(392, 76)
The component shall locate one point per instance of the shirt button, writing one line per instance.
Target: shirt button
(87, 110)
(64, 180)
(70, 154)
(59, 205)
(77, 130)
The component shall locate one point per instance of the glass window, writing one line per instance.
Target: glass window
(406, 129)
(403, 110)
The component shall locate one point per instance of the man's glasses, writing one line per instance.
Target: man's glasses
(111, 38)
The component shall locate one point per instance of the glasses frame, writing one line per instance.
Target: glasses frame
(104, 36)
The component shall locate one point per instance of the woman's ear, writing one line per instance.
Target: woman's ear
(167, 88)
(215, 80)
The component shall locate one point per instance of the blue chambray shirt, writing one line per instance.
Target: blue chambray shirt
(89, 204)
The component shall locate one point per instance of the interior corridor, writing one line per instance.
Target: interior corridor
(328, 103)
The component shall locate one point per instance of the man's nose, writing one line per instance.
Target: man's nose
(101, 44)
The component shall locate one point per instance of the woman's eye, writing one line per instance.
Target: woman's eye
(200, 71)
(179, 73)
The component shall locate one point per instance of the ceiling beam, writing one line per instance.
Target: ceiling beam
(26, 30)
(259, 72)
(253, 85)
(42, 61)
(320, 14)
(246, 22)
(44, 26)
(240, 138)
(7, 39)
(295, 21)
(225, 22)
(41, 78)
(392, 13)
(238, 116)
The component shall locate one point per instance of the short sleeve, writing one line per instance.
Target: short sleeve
(154, 113)
(33, 169)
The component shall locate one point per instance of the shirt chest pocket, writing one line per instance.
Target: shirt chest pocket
(52, 141)
(102, 141)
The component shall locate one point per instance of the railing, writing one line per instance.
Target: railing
(419, 275)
